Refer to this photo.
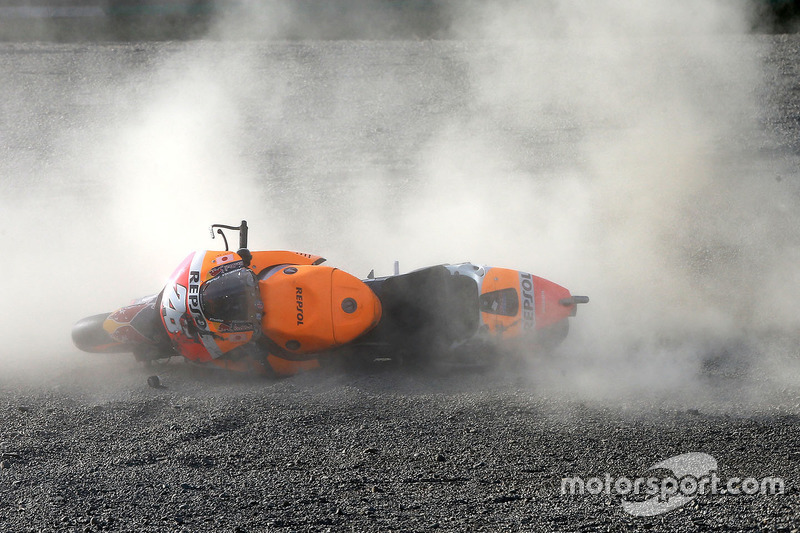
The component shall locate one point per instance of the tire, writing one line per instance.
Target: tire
(88, 335)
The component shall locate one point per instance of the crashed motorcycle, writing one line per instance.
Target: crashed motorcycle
(281, 312)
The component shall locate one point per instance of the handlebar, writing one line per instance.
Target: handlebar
(241, 228)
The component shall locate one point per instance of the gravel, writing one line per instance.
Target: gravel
(92, 447)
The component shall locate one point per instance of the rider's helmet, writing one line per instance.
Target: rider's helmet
(231, 298)
(211, 305)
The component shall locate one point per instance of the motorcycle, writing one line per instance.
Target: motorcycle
(282, 312)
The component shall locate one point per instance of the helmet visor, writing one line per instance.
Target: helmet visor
(230, 297)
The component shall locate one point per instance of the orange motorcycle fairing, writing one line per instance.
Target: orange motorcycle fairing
(313, 308)
(500, 286)
(515, 303)
(263, 260)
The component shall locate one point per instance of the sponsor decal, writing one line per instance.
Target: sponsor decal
(128, 334)
(126, 314)
(528, 306)
(238, 338)
(223, 259)
(205, 336)
(233, 327)
(222, 269)
(194, 299)
(299, 296)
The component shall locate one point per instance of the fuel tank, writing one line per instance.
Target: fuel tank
(311, 308)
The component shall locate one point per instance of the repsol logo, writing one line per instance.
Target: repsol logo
(299, 297)
(528, 307)
(194, 298)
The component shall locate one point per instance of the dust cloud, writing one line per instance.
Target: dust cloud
(610, 147)
(664, 211)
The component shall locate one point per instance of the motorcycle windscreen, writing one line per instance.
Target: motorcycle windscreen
(230, 297)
